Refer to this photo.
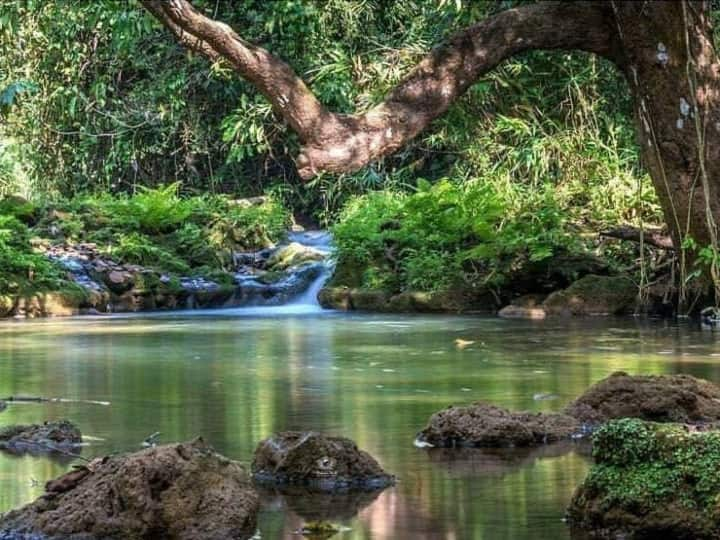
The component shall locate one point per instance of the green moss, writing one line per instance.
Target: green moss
(640, 465)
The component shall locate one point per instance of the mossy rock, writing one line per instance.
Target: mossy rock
(7, 304)
(369, 300)
(61, 303)
(293, 254)
(650, 481)
(594, 295)
(335, 298)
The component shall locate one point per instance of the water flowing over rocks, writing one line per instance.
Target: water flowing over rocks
(318, 462)
(658, 398)
(180, 491)
(485, 425)
(61, 435)
(277, 275)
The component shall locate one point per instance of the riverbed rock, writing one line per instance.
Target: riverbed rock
(40, 438)
(293, 254)
(594, 295)
(178, 491)
(485, 425)
(525, 307)
(452, 301)
(659, 398)
(3, 405)
(318, 462)
(650, 481)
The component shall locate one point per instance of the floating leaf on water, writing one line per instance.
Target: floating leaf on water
(463, 343)
(318, 530)
(544, 396)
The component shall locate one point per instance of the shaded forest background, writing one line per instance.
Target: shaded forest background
(98, 100)
(96, 96)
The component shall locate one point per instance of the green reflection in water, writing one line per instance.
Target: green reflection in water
(235, 379)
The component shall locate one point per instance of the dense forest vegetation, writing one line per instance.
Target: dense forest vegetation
(100, 107)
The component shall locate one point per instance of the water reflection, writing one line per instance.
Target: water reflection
(236, 377)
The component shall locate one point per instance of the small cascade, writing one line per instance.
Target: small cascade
(306, 258)
(321, 241)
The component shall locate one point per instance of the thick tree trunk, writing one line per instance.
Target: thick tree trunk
(663, 47)
(673, 72)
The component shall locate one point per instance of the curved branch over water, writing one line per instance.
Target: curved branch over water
(343, 143)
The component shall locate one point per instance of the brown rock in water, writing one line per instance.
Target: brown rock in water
(40, 438)
(594, 295)
(316, 461)
(658, 398)
(179, 491)
(485, 425)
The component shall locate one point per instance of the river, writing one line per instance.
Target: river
(236, 376)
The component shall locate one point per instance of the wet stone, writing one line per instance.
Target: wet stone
(40, 438)
(316, 461)
(484, 425)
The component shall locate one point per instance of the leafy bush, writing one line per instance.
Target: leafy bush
(447, 232)
(137, 248)
(21, 270)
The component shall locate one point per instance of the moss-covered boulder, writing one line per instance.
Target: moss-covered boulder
(177, 491)
(485, 425)
(293, 254)
(318, 462)
(594, 295)
(335, 298)
(658, 398)
(650, 481)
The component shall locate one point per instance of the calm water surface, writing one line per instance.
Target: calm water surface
(237, 376)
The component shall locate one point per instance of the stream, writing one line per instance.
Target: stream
(235, 376)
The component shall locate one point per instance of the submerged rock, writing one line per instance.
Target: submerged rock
(659, 398)
(3, 405)
(594, 295)
(485, 425)
(40, 438)
(650, 481)
(318, 462)
(178, 491)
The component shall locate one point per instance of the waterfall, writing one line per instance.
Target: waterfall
(321, 241)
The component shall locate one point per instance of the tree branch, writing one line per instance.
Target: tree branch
(344, 143)
(653, 236)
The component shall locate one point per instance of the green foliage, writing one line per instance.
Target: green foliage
(23, 271)
(640, 464)
(155, 228)
(448, 231)
(114, 103)
(139, 249)
(150, 211)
